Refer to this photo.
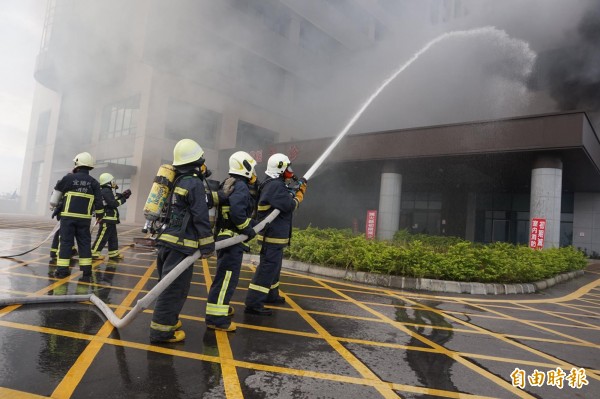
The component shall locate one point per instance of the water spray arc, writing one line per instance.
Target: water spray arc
(151, 296)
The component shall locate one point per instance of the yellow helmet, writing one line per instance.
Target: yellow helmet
(187, 151)
(105, 178)
(84, 159)
(241, 164)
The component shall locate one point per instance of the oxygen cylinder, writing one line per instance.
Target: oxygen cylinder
(212, 200)
(163, 183)
(55, 199)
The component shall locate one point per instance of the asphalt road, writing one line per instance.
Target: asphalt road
(331, 339)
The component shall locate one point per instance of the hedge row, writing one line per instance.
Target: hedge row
(444, 258)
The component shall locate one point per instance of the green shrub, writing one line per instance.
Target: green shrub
(420, 255)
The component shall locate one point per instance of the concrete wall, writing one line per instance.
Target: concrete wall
(586, 222)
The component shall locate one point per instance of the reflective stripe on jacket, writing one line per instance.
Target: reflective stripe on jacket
(189, 225)
(273, 194)
(81, 195)
(111, 213)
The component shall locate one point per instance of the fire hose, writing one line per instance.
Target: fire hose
(150, 297)
(54, 230)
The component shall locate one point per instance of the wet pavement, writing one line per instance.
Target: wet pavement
(331, 339)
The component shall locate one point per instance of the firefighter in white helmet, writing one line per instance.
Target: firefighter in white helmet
(107, 230)
(188, 230)
(235, 217)
(81, 196)
(273, 194)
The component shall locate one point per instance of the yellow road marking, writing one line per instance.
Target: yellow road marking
(6, 393)
(73, 377)
(532, 350)
(453, 355)
(378, 291)
(561, 317)
(233, 388)
(578, 308)
(382, 387)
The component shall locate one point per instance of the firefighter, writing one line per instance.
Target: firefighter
(188, 229)
(235, 217)
(273, 194)
(80, 194)
(107, 230)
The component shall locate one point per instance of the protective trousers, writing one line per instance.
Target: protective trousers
(54, 245)
(229, 263)
(171, 300)
(265, 283)
(72, 229)
(107, 232)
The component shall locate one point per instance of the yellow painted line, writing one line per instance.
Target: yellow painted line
(363, 370)
(582, 323)
(69, 383)
(578, 308)
(260, 367)
(453, 355)
(21, 263)
(377, 291)
(6, 393)
(532, 350)
(594, 303)
(345, 353)
(233, 388)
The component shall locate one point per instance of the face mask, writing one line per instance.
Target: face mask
(288, 173)
(253, 179)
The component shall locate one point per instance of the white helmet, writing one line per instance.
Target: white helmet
(84, 159)
(277, 164)
(242, 164)
(105, 178)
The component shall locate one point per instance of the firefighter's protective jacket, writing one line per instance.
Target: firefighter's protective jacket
(111, 213)
(188, 228)
(235, 212)
(273, 194)
(81, 195)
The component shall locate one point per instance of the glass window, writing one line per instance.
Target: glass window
(254, 137)
(120, 118)
(186, 120)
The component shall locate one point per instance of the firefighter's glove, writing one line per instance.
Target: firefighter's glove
(127, 193)
(250, 233)
(228, 186)
(207, 251)
(303, 184)
(299, 196)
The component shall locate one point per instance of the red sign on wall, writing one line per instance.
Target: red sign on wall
(538, 233)
(371, 224)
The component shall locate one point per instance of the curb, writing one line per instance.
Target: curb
(423, 284)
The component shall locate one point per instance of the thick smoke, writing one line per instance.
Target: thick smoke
(243, 73)
(571, 72)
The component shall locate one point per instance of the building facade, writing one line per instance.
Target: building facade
(125, 80)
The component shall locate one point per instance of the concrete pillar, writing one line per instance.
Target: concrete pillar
(388, 216)
(546, 190)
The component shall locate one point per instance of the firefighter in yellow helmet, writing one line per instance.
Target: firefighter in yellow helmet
(188, 229)
(235, 217)
(107, 230)
(80, 194)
